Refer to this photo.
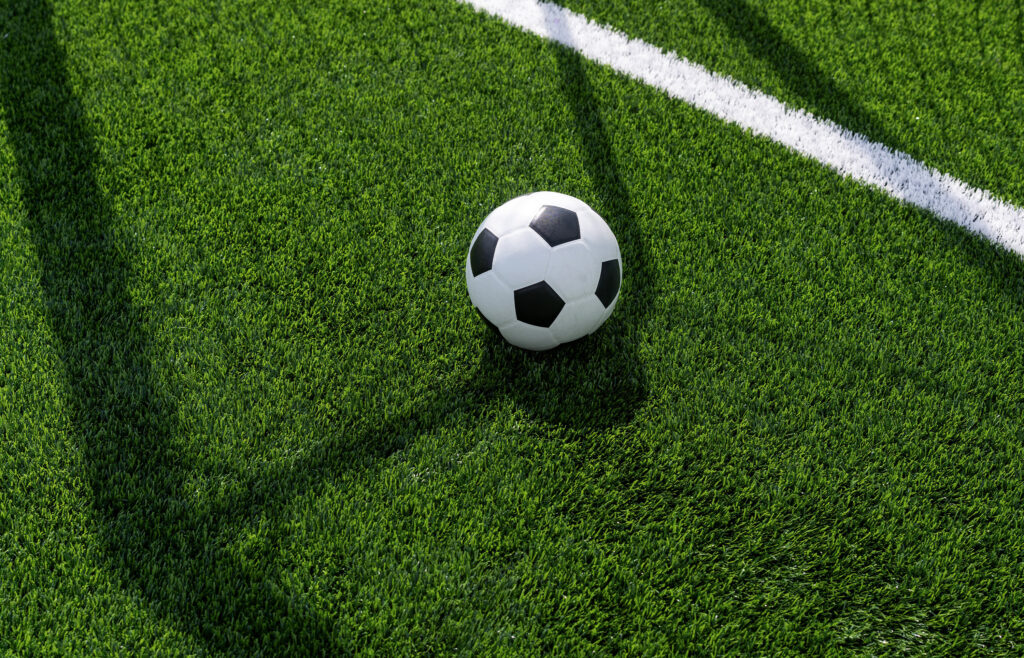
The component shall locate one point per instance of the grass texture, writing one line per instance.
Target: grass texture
(941, 80)
(246, 407)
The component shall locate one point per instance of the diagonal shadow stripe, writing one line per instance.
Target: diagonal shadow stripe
(176, 554)
(602, 166)
(546, 385)
(155, 539)
(797, 72)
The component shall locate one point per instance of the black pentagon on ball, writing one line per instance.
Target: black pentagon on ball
(608, 284)
(538, 304)
(556, 225)
(481, 254)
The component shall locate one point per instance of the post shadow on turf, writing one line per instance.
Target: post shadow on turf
(597, 382)
(154, 539)
(171, 551)
(822, 94)
(800, 75)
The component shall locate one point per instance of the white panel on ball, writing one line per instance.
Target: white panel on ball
(573, 271)
(528, 336)
(599, 237)
(578, 319)
(494, 299)
(521, 258)
(511, 215)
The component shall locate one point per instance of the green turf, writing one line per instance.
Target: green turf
(247, 408)
(942, 80)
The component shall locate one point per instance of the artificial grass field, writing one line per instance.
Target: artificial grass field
(247, 408)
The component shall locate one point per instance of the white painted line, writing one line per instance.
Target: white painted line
(830, 144)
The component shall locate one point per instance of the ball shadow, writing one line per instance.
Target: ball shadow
(595, 382)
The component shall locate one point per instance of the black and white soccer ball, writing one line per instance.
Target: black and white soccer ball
(544, 269)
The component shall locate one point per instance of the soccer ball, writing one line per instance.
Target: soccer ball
(544, 269)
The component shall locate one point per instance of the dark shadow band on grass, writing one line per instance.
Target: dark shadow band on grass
(613, 201)
(595, 383)
(156, 540)
(798, 73)
(178, 553)
(1019, 18)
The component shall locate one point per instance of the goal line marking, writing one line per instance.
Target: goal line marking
(846, 152)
